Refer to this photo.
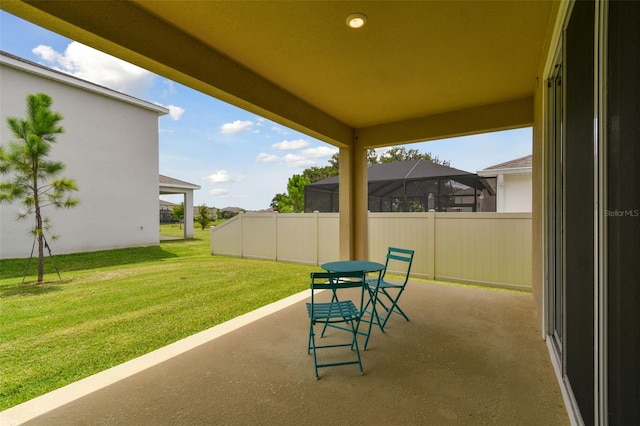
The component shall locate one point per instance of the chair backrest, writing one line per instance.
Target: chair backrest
(399, 260)
(337, 280)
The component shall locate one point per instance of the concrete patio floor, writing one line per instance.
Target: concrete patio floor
(468, 356)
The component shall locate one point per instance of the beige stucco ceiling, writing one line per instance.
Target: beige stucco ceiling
(414, 66)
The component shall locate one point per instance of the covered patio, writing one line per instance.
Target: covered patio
(172, 186)
(417, 71)
(468, 356)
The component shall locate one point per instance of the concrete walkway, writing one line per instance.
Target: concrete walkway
(468, 356)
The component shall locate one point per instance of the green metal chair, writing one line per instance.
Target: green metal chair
(369, 313)
(385, 292)
(338, 310)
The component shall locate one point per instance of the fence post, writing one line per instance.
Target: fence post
(241, 236)
(431, 245)
(275, 236)
(316, 229)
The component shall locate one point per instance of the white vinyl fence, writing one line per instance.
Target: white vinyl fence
(477, 248)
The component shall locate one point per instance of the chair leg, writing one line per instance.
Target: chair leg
(393, 308)
(312, 345)
(400, 311)
(353, 346)
(374, 316)
(355, 343)
(373, 301)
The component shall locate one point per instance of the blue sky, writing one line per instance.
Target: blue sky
(238, 158)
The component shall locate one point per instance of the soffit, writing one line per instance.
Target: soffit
(412, 59)
(299, 64)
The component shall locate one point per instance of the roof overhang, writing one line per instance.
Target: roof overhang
(417, 71)
(169, 185)
(509, 171)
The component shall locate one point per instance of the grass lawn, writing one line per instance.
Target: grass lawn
(115, 305)
(176, 230)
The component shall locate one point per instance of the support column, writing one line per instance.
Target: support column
(354, 232)
(188, 214)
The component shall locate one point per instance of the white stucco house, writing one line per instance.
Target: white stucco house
(514, 184)
(110, 147)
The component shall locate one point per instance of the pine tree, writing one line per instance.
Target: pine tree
(31, 177)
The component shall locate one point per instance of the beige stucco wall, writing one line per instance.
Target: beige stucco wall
(110, 147)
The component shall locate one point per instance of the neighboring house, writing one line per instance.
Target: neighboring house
(514, 184)
(166, 212)
(409, 186)
(110, 147)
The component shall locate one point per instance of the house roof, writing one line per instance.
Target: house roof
(518, 166)
(168, 185)
(231, 209)
(34, 68)
(418, 70)
(386, 178)
(518, 163)
(166, 203)
(402, 170)
(177, 183)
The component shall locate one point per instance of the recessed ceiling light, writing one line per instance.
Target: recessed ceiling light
(356, 20)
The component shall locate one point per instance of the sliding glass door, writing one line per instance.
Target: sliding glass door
(555, 212)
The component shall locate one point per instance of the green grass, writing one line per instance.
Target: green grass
(112, 306)
(177, 230)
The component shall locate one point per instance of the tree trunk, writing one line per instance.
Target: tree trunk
(39, 231)
(40, 236)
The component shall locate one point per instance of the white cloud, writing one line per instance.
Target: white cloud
(290, 145)
(93, 65)
(268, 158)
(175, 112)
(319, 152)
(280, 130)
(236, 127)
(293, 160)
(219, 192)
(170, 90)
(45, 52)
(219, 176)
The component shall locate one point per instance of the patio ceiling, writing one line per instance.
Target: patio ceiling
(416, 70)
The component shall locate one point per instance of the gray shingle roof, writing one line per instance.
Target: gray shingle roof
(518, 163)
(166, 180)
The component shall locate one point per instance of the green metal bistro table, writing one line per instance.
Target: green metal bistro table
(356, 266)
(352, 266)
